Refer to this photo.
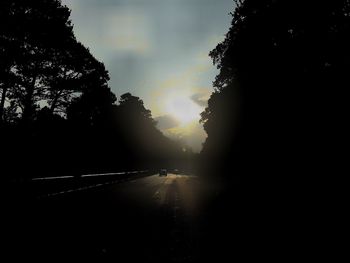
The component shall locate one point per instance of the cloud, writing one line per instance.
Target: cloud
(200, 99)
(166, 122)
(193, 136)
(155, 49)
(127, 30)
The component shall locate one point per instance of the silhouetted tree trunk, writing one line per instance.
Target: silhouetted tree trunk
(54, 102)
(28, 107)
(2, 103)
(5, 88)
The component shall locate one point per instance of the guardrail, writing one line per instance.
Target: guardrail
(42, 187)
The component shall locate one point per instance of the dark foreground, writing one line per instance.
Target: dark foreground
(177, 218)
(150, 219)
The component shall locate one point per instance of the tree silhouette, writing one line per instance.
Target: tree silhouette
(142, 138)
(9, 50)
(42, 33)
(72, 73)
(276, 121)
(132, 108)
(58, 114)
(283, 68)
(42, 61)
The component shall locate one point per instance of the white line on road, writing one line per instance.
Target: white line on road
(52, 178)
(85, 175)
(85, 188)
(92, 175)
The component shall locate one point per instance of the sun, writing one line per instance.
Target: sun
(183, 108)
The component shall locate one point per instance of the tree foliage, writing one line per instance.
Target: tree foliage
(43, 63)
(283, 68)
(276, 125)
(57, 112)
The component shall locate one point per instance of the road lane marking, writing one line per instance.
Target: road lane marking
(52, 178)
(86, 187)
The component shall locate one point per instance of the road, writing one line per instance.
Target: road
(150, 219)
(177, 218)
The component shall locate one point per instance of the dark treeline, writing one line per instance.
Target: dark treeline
(277, 121)
(279, 100)
(57, 113)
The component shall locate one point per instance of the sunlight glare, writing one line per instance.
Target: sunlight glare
(183, 108)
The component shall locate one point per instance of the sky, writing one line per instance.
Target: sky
(157, 50)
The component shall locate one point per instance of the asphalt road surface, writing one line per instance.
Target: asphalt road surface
(177, 218)
(150, 219)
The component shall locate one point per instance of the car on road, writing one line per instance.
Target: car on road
(163, 172)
